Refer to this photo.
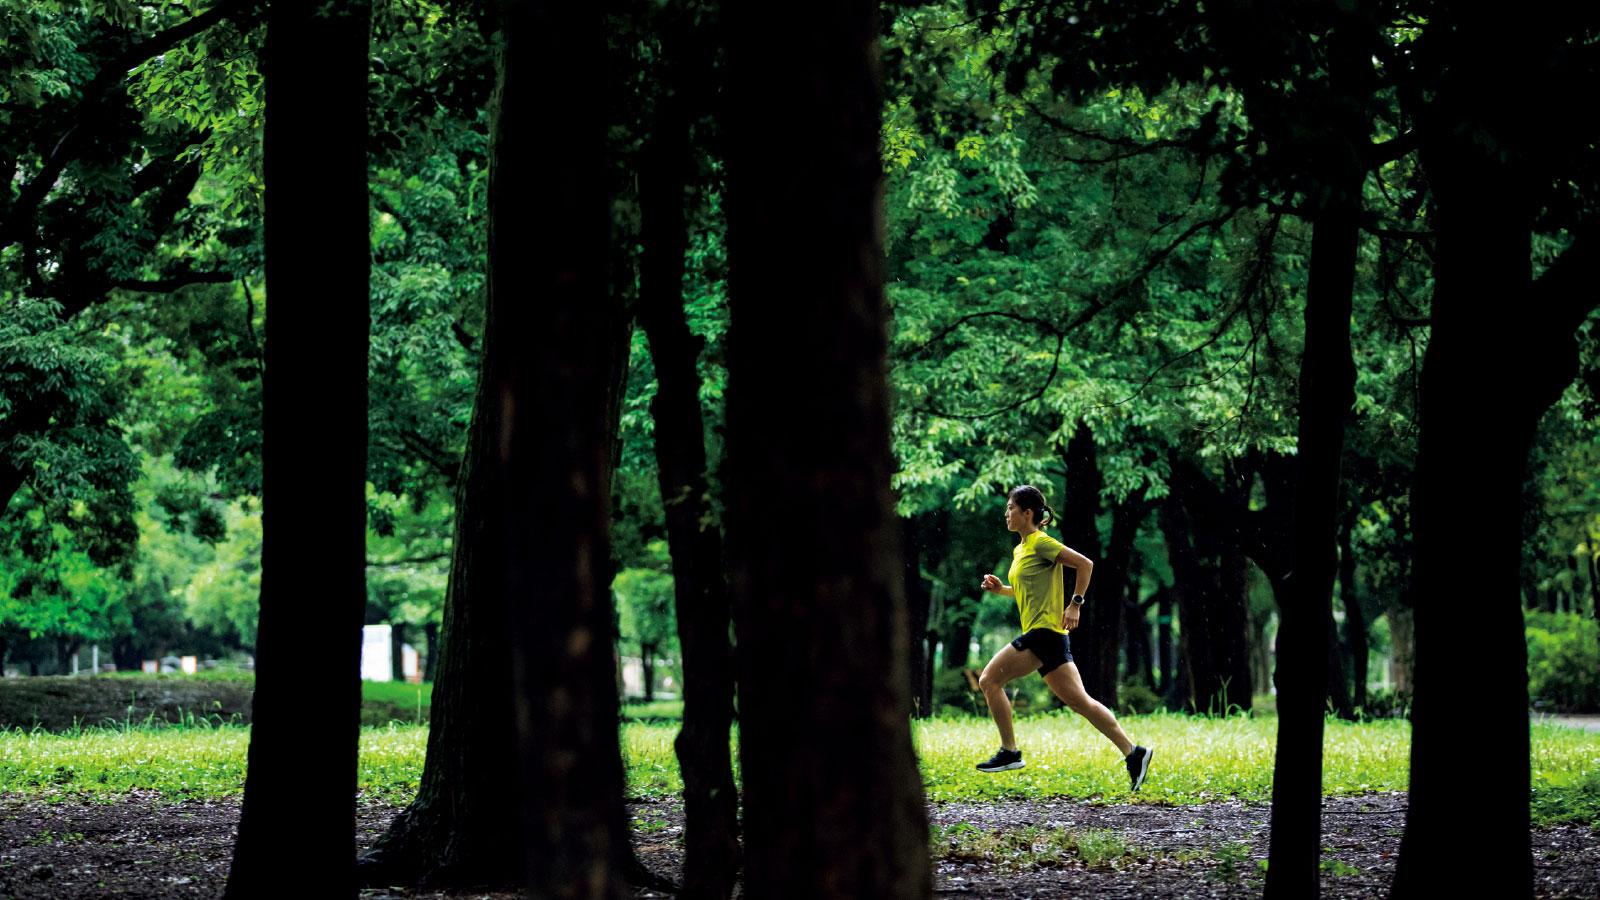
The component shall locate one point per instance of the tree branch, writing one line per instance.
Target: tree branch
(111, 74)
(173, 282)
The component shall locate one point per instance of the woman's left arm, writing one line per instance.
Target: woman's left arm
(1072, 559)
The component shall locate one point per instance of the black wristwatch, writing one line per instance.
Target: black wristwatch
(1077, 599)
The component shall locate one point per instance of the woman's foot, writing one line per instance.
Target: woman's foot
(1002, 760)
(1138, 761)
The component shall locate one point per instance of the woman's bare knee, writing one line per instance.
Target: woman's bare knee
(991, 681)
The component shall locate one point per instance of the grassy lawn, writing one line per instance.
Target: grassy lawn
(1197, 760)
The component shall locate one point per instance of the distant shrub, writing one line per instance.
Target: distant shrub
(1563, 661)
(951, 692)
(1387, 703)
(1136, 698)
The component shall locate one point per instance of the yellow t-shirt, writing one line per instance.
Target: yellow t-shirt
(1038, 582)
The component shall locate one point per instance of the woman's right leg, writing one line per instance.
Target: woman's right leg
(1008, 665)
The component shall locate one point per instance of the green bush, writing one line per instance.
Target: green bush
(1563, 661)
(1136, 698)
(952, 693)
(1387, 703)
(64, 702)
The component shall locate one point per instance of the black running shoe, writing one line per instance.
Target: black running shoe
(1138, 764)
(1002, 760)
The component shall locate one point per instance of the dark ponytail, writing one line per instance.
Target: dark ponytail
(1028, 497)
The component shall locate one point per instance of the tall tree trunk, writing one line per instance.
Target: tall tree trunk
(299, 795)
(833, 799)
(1482, 145)
(957, 642)
(1594, 578)
(1355, 615)
(1164, 637)
(1327, 392)
(554, 446)
(1209, 589)
(919, 599)
(431, 632)
(647, 661)
(1260, 654)
(1402, 646)
(397, 654)
(1338, 696)
(527, 631)
(1095, 640)
(1137, 626)
(699, 589)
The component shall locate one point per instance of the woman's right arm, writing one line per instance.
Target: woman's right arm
(994, 586)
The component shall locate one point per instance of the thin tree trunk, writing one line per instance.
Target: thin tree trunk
(299, 795)
(397, 654)
(1164, 637)
(1207, 566)
(699, 589)
(1327, 392)
(1402, 647)
(1095, 640)
(1355, 616)
(1594, 578)
(647, 661)
(833, 797)
(918, 602)
(431, 632)
(957, 642)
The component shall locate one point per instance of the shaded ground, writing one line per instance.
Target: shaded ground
(137, 846)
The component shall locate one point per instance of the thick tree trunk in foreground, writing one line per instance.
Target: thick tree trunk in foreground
(548, 281)
(1483, 147)
(833, 798)
(465, 828)
(299, 795)
(531, 554)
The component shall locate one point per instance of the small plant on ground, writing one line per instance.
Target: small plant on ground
(1231, 858)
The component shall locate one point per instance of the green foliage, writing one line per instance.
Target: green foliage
(210, 697)
(1137, 698)
(1562, 796)
(644, 599)
(1030, 846)
(1231, 857)
(953, 695)
(1387, 703)
(58, 432)
(224, 594)
(1563, 661)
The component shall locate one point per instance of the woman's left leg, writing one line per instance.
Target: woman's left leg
(1067, 684)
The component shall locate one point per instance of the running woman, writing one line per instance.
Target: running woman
(1038, 585)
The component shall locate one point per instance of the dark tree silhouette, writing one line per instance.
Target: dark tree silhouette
(1096, 640)
(833, 798)
(299, 795)
(525, 687)
(1497, 169)
(699, 588)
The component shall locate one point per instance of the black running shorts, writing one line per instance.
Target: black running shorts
(1052, 648)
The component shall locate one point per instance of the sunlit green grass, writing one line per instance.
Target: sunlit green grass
(1197, 760)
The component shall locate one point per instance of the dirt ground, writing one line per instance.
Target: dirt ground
(140, 847)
